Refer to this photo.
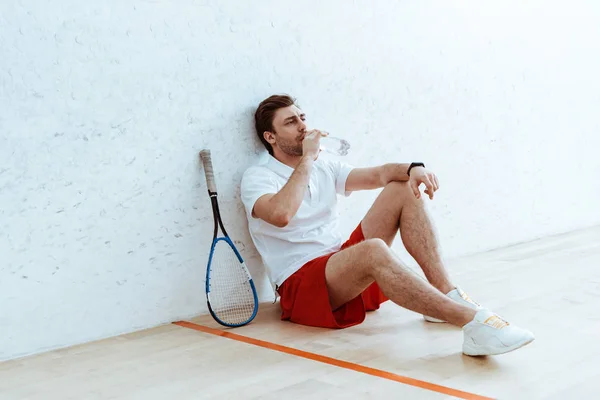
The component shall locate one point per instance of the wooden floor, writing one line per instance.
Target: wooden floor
(551, 286)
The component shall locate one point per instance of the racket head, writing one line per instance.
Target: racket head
(230, 292)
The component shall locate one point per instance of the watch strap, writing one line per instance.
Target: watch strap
(414, 164)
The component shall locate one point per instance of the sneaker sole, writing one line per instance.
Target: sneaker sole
(470, 350)
(434, 320)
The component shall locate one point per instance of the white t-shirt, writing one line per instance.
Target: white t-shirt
(312, 232)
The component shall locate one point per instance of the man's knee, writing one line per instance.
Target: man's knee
(376, 252)
(375, 244)
(402, 190)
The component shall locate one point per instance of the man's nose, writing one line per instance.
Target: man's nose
(302, 126)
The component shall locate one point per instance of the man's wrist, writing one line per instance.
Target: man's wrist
(310, 158)
(414, 165)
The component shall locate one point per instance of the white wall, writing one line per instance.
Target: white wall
(104, 219)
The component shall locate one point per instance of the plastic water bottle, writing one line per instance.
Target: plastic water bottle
(335, 145)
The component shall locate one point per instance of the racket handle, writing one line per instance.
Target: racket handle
(208, 171)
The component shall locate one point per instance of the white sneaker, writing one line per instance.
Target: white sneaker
(488, 334)
(459, 296)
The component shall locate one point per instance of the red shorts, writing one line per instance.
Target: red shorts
(305, 299)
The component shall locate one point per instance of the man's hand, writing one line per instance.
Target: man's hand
(311, 143)
(419, 175)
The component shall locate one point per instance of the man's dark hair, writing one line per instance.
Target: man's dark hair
(263, 117)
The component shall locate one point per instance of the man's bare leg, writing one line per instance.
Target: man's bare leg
(350, 271)
(397, 209)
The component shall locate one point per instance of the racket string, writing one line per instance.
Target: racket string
(231, 295)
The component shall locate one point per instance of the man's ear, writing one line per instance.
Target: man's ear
(269, 137)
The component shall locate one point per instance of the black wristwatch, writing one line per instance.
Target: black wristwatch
(415, 164)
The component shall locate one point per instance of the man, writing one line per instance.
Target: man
(291, 207)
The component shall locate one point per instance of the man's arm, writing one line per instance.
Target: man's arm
(377, 177)
(278, 209)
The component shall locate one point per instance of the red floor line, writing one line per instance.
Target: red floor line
(335, 362)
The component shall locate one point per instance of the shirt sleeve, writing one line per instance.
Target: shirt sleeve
(340, 171)
(256, 182)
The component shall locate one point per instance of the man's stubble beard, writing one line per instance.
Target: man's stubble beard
(291, 149)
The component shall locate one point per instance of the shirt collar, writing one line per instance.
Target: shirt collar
(279, 167)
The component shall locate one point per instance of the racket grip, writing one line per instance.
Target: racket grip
(208, 171)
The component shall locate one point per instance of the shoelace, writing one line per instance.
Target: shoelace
(496, 322)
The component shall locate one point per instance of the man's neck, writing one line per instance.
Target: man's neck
(290, 161)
